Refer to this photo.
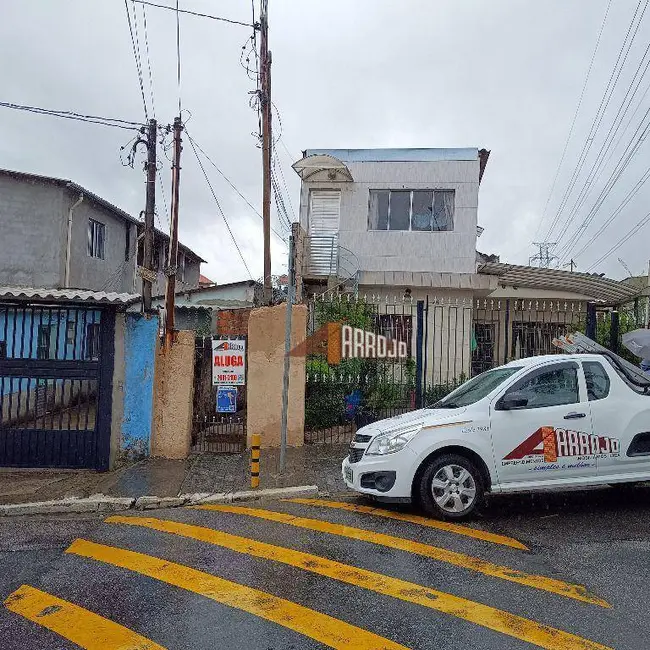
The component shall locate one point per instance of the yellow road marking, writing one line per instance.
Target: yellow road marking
(415, 519)
(86, 629)
(577, 592)
(484, 615)
(321, 627)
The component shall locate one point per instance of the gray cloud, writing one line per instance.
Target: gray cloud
(504, 75)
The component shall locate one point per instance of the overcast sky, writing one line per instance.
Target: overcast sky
(505, 75)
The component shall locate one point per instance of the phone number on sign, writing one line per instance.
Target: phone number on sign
(229, 377)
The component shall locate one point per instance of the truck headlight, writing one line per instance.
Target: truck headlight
(392, 441)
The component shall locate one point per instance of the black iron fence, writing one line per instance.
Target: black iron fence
(448, 340)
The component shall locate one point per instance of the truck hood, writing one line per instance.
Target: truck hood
(428, 417)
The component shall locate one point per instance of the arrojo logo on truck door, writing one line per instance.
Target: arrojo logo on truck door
(551, 445)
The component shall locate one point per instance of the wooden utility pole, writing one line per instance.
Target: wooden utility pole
(172, 263)
(266, 107)
(150, 206)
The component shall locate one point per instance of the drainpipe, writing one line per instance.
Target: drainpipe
(76, 204)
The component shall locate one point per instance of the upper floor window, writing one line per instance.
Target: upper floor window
(416, 210)
(96, 239)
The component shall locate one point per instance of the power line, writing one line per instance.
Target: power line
(70, 115)
(216, 200)
(616, 212)
(195, 13)
(575, 117)
(599, 164)
(136, 57)
(620, 167)
(178, 57)
(621, 241)
(146, 44)
(250, 205)
(600, 114)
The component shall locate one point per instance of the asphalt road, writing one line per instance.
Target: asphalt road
(286, 575)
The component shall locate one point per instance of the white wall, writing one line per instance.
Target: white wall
(448, 252)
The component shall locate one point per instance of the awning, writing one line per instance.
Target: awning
(310, 165)
(597, 287)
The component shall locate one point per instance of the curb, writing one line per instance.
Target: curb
(102, 503)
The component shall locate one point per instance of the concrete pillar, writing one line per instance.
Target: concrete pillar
(264, 380)
(173, 394)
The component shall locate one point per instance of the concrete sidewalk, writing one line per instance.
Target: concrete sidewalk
(205, 473)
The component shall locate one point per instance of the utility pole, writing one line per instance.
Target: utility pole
(266, 108)
(150, 206)
(571, 264)
(172, 264)
(287, 357)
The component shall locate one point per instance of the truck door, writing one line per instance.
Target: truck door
(620, 420)
(541, 427)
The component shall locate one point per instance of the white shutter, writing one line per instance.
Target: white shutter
(324, 213)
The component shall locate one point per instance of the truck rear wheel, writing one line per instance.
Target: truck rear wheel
(451, 487)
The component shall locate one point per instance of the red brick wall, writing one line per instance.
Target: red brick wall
(233, 322)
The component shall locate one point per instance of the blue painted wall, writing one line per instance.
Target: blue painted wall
(140, 334)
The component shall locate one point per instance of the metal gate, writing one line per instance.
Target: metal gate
(212, 431)
(56, 366)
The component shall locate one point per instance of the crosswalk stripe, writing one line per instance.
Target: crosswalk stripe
(577, 592)
(416, 519)
(86, 629)
(321, 627)
(483, 615)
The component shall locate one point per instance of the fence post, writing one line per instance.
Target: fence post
(591, 321)
(255, 460)
(614, 332)
(418, 353)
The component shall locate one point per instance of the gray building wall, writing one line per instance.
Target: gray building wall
(445, 252)
(192, 268)
(33, 229)
(115, 272)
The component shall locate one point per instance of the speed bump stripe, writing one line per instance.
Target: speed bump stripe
(82, 627)
(458, 529)
(577, 592)
(321, 627)
(483, 615)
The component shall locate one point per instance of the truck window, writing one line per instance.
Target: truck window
(553, 387)
(597, 380)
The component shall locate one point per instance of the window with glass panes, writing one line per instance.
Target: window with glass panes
(415, 210)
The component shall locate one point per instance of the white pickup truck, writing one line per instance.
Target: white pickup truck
(555, 421)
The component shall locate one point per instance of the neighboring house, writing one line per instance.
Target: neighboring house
(531, 306)
(189, 263)
(57, 235)
(196, 309)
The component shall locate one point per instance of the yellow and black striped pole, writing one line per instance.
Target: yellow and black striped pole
(255, 460)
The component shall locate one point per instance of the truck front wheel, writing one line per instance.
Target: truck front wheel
(451, 487)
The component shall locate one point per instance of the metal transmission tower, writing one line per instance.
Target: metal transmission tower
(544, 257)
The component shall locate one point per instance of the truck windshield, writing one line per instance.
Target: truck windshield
(476, 388)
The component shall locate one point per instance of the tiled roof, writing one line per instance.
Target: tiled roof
(67, 295)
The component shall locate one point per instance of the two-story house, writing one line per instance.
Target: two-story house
(395, 226)
(389, 219)
(57, 234)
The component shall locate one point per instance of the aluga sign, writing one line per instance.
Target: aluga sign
(228, 362)
(359, 344)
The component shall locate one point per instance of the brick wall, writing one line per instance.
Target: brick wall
(233, 322)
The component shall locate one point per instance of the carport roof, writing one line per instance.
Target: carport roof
(597, 287)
